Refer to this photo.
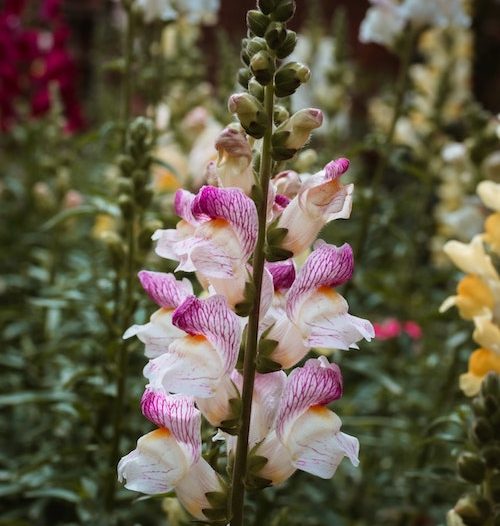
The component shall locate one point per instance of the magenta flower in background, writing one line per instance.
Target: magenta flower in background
(34, 56)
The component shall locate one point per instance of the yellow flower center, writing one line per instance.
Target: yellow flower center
(473, 296)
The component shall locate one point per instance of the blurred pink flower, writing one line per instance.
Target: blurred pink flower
(392, 328)
(413, 329)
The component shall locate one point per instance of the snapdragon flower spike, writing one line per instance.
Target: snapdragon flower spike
(167, 292)
(170, 457)
(307, 435)
(196, 363)
(321, 199)
(317, 310)
(217, 234)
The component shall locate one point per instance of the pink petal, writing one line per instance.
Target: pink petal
(164, 289)
(283, 273)
(176, 413)
(326, 266)
(182, 203)
(213, 319)
(232, 205)
(316, 383)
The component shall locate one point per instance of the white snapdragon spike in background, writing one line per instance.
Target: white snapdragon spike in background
(217, 234)
(316, 309)
(170, 457)
(196, 363)
(196, 11)
(439, 13)
(167, 292)
(383, 23)
(321, 199)
(307, 435)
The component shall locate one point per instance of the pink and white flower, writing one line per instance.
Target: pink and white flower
(167, 292)
(321, 199)
(169, 457)
(217, 234)
(196, 363)
(307, 435)
(316, 309)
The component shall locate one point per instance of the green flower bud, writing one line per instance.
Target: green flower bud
(482, 431)
(288, 45)
(250, 112)
(126, 205)
(289, 77)
(283, 10)
(471, 468)
(280, 114)
(147, 231)
(494, 486)
(275, 35)
(256, 89)
(255, 45)
(266, 6)
(262, 67)
(115, 245)
(473, 510)
(491, 385)
(491, 455)
(125, 163)
(478, 406)
(139, 129)
(257, 22)
(244, 76)
(139, 177)
(124, 186)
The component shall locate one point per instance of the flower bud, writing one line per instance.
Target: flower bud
(257, 22)
(295, 132)
(266, 6)
(280, 114)
(244, 76)
(290, 77)
(491, 385)
(262, 67)
(255, 45)
(275, 35)
(250, 112)
(283, 10)
(126, 205)
(471, 468)
(482, 431)
(473, 510)
(126, 164)
(288, 44)
(491, 455)
(256, 89)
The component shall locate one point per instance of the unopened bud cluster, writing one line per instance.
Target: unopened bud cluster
(268, 42)
(134, 192)
(482, 466)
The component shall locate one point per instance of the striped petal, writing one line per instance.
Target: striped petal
(317, 383)
(164, 289)
(213, 319)
(327, 266)
(232, 206)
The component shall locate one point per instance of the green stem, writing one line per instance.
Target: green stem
(240, 461)
(122, 364)
(383, 160)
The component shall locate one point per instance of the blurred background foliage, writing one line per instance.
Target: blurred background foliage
(63, 231)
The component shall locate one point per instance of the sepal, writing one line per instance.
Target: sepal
(255, 463)
(231, 425)
(288, 45)
(266, 348)
(243, 308)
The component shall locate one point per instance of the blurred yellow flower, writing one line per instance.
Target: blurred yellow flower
(481, 362)
(492, 232)
(103, 224)
(472, 299)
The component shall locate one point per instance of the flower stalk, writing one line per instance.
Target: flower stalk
(249, 363)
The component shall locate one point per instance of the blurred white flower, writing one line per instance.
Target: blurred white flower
(196, 11)
(382, 24)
